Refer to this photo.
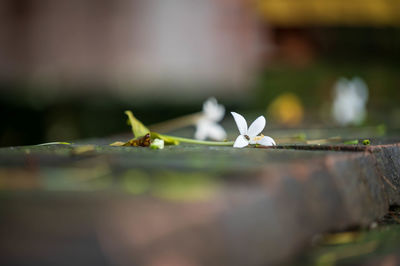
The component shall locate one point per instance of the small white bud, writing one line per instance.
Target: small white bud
(157, 144)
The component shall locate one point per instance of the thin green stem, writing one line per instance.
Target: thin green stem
(53, 143)
(201, 142)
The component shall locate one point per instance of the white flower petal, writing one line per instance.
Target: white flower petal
(266, 141)
(252, 141)
(219, 114)
(216, 132)
(240, 123)
(208, 129)
(240, 142)
(361, 88)
(341, 86)
(208, 105)
(201, 130)
(212, 110)
(256, 127)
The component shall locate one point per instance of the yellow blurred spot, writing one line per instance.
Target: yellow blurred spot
(327, 259)
(83, 149)
(287, 110)
(179, 186)
(136, 181)
(341, 238)
(170, 185)
(331, 258)
(329, 12)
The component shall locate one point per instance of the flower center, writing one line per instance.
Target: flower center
(247, 137)
(258, 137)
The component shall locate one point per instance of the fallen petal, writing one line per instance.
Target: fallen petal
(240, 142)
(266, 141)
(213, 111)
(216, 132)
(118, 143)
(256, 127)
(240, 123)
(201, 129)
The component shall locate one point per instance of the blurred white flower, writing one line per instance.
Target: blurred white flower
(349, 106)
(249, 135)
(207, 125)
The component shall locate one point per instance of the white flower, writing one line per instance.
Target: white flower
(207, 125)
(249, 135)
(351, 97)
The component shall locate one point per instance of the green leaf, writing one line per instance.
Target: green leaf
(138, 129)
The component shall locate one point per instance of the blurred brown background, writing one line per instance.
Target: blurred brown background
(69, 68)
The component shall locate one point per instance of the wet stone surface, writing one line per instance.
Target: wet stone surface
(191, 205)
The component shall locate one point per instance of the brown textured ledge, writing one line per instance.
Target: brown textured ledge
(260, 206)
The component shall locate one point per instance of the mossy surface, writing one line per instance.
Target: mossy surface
(358, 247)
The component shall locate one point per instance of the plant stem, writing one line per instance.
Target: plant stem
(176, 123)
(201, 142)
(53, 143)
